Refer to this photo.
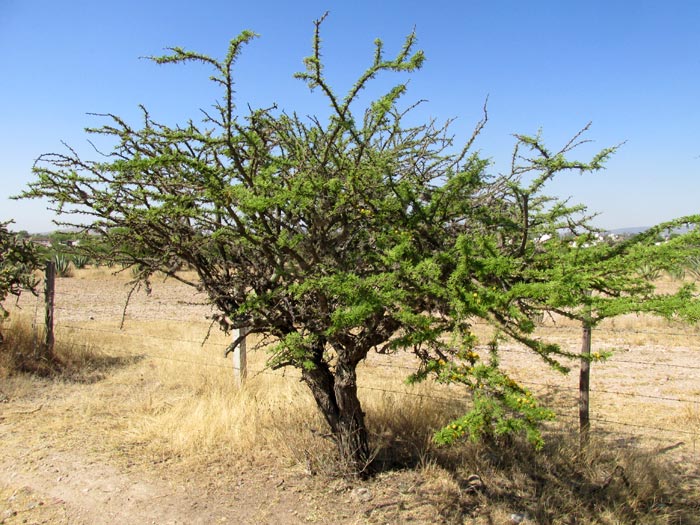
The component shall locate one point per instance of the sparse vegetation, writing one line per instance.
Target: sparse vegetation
(18, 261)
(151, 398)
(330, 239)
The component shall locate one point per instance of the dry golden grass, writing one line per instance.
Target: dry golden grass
(153, 394)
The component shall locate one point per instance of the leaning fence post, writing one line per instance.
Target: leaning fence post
(49, 292)
(240, 369)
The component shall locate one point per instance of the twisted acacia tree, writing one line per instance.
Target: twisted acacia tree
(331, 236)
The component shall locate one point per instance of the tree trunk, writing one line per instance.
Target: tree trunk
(352, 439)
(336, 397)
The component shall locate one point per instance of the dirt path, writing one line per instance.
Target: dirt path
(67, 455)
(64, 487)
(76, 490)
(52, 477)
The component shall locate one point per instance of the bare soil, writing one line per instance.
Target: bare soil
(74, 478)
(73, 475)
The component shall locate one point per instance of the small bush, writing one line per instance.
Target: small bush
(77, 360)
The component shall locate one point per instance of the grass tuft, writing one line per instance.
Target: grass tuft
(153, 394)
(22, 351)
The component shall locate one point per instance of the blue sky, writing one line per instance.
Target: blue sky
(632, 68)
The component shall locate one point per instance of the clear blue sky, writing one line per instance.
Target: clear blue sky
(630, 67)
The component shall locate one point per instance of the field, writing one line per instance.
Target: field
(144, 423)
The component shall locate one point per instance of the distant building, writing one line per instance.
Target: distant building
(42, 241)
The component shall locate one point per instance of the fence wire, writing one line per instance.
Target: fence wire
(633, 429)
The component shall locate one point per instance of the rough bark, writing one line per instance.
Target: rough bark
(336, 397)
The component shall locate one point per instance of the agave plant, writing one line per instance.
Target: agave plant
(62, 264)
(692, 267)
(80, 261)
(649, 272)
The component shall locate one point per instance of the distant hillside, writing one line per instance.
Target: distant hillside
(639, 229)
(629, 231)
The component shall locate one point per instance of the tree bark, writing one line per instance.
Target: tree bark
(336, 398)
(352, 439)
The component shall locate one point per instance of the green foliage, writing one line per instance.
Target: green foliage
(500, 406)
(80, 261)
(18, 261)
(337, 236)
(62, 264)
(591, 281)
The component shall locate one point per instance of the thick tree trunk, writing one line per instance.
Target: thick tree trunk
(336, 397)
(352, 439)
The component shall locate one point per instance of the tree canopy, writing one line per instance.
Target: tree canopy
(332, 237)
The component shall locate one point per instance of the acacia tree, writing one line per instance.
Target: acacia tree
(588, 280)
(544, 262)
(331, 236)
(18, 261)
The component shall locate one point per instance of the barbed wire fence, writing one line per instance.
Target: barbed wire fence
(684, 432)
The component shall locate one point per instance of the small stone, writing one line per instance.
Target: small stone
(475, 484)
(362, 494)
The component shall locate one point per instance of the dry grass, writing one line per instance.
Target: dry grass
(153, 394)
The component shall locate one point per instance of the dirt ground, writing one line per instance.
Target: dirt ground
(72, 476)
(55, 479)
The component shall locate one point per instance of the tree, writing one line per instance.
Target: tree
(591, 281)
(18, 261)
(331, 237)
(575, 273)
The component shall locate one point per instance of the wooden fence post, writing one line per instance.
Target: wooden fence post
(240, 367)
(49, 292)
(584, 384)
